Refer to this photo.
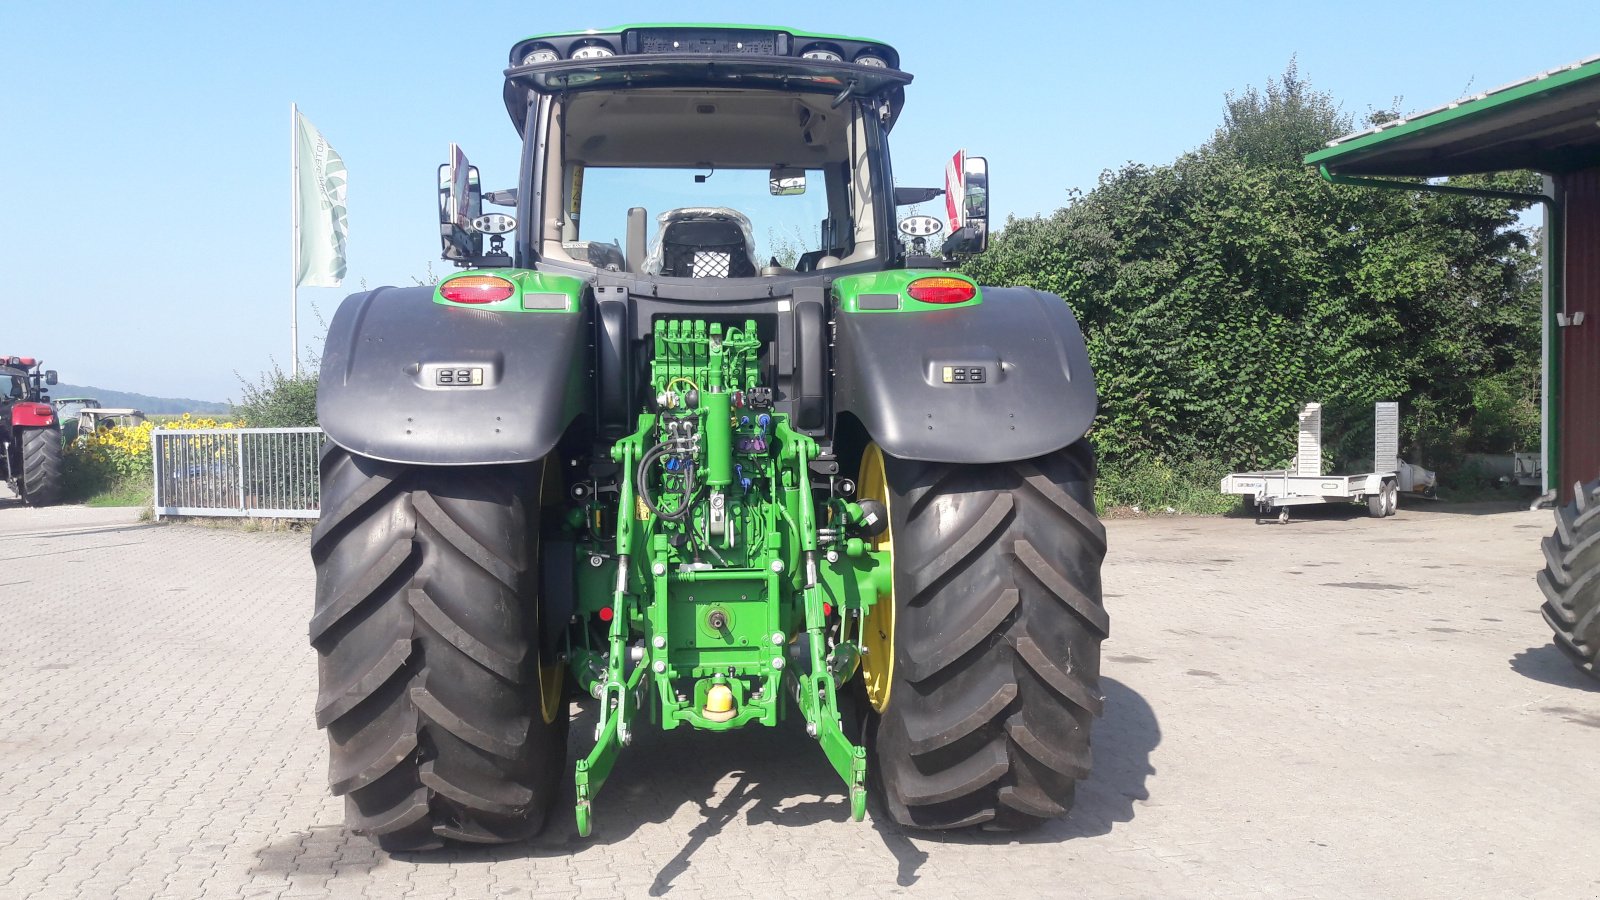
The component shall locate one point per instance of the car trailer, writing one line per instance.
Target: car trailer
(1303, 484)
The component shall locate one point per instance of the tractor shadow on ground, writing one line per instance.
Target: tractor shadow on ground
(1124, 738)
(759, 776)
(1549, 665)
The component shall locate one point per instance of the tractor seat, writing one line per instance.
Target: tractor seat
(702, 242)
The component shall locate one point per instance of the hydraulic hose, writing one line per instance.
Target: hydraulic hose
(642, 480)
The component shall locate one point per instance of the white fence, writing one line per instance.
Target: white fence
(262, 472)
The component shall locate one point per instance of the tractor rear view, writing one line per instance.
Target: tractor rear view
(761, 456)
(30, 436)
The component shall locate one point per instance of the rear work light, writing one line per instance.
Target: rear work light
(477, 289)
(941, 289)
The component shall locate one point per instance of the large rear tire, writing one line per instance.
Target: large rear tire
(41, 465)
(996, 641)
(1571, 579)
(427, 636)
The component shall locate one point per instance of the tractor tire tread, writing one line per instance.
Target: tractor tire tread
(1570, 581)
(42, 472)
(993, 564)
(423, 629)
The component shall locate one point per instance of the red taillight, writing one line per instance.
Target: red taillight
(477, 289)
(942, 289)
(606, 613)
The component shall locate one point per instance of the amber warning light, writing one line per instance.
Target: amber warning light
(942, 289)
(477, 289)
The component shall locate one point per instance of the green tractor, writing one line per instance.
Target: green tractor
(768, 460)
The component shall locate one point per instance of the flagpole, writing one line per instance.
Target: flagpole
(294, 237)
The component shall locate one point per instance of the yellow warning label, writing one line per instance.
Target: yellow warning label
(949, 374)
(641, 512)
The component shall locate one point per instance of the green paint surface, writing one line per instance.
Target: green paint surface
(734, 573)
(850, 289)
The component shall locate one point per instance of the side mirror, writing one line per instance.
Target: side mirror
(786, 181)
(50, 376)
(966, 194)
(976, 198)
(460, 202)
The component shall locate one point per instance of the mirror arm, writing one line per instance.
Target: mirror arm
(906, 196)
(844, 95)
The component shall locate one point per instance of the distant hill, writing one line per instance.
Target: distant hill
(155, 406)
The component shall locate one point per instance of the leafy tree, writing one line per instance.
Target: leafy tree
(1222, 291)
(279, 400)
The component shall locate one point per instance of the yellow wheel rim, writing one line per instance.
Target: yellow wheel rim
(877, 639)
(550, 677)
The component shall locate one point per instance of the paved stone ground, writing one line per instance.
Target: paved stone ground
(1337, 707)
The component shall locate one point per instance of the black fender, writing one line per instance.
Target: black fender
(379, 393)
(1037, 392)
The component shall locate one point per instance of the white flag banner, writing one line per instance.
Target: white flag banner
(319, 202)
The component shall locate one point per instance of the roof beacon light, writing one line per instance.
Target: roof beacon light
(941, 289)
(477, 289)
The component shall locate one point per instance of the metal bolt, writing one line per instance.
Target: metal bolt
(660, 666)
(596, 561)
(777, 638)
(811, 729)
(833, 556)
(659, 568)
(777, 662)
(777, 565)
(660, 642)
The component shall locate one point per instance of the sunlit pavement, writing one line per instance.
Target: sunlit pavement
(1336, 707)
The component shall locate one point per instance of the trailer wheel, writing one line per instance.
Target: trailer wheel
(1571, 579)
(982, 669)
(1377, 504)
(426, 631)
(41, 466)
(1391, 498)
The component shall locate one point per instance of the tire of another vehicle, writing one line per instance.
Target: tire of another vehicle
(426, 634)
(1391, 498)
(41, 466)
(1377, 505)
(998, 624)
(1571, 579)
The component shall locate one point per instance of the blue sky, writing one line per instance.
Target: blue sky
(145, 227)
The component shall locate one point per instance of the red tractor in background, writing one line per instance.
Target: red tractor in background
(30, 434)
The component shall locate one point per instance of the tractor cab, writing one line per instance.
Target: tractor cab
(22, 380)
(686, 159)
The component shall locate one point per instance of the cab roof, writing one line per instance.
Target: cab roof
(695, 56)
(795, 32)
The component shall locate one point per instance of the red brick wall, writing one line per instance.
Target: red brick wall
(1579, 399)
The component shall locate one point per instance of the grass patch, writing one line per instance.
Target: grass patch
(1146, 487)
(127, 492)
(248, 524)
